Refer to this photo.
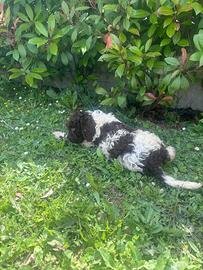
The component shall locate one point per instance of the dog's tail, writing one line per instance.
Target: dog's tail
(169, 180)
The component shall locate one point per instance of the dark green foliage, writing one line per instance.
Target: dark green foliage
(154, 48)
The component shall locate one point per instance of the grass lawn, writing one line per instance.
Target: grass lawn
(66, 207)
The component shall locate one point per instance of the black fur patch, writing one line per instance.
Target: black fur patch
(74, 128)
(122, 146)
(81, 126)
(88, 127)
(156, 159)
(110, 128)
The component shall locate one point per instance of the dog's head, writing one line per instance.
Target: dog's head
(81, 127)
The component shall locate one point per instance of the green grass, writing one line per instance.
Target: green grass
(66, 207)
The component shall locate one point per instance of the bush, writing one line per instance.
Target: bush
(154, 48)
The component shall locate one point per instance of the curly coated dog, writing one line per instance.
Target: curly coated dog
(136, 149)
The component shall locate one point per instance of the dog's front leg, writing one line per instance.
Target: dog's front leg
(59, 135)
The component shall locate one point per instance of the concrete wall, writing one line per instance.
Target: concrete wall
(192, 98)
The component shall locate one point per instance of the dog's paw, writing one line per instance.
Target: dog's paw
(59, 134)
(171, 152)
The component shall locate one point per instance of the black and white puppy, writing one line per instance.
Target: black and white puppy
(136, 149)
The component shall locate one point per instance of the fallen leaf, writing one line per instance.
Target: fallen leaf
(19, 195)
(47, 194)
(56, 245)
(29, 260)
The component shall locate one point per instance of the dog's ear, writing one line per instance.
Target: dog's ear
(87, 126)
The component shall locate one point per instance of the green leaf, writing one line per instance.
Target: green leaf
(29, 80)
(39, 70)
(16, 54)
(184, 83)
(172, 61)
(111, 7)
(126, 24)
(183, 43)
(23, 27)
(176, 84)
(51, 23)
(121, 101)
(122, 37)
(107, 57)
(32, 48)
(82, 8)
(198, 41)
(176, 2)
(165, 42)
(135, 59)
(88, 43)
(107, 102)
(153, 54)
(62, 32)
(22, 50)
(101, 91)
(37, 9)
(15, 70)
(65, 7)
(133, 82)
(167, 21)
(106, 256)
(153, 18)
(166, 11)
(150, 63)
(196, 56)
(184, 8)
(74, 35)
(135, 50)
(201, 61)
(151, 30)
(119, 71)
(176, 38)
(116, 20)
(115, 39)
(166, 80)
(29, 11)
(148, 44)
(197, 8)
(41, 29)
(7, 16)
(134, 31)
(38, 41)
(23, 17)
(15, 75)
(170, 31)
(64, 58)
(139, 13)
(53, 48)
(36, 76)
